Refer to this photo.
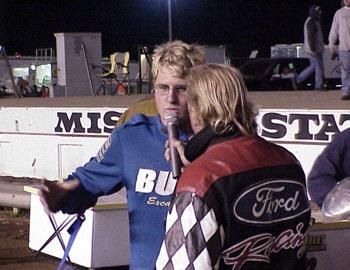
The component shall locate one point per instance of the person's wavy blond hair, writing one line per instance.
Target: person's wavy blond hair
(176, 57)
(219, 95)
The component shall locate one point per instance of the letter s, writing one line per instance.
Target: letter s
(267, 122)
(110, 121)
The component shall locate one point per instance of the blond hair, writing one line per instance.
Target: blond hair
(176, 58)
(218, 94)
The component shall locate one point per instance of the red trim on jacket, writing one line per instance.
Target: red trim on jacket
(231, 157)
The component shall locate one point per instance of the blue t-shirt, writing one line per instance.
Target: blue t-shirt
(132, 157)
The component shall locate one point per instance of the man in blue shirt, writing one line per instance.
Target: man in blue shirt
(133, 157)
(330, 167)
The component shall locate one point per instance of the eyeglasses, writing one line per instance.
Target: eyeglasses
(164, 90)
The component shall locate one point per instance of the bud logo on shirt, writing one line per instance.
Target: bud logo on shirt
(147, 181)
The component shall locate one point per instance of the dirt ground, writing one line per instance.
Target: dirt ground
(14, 251)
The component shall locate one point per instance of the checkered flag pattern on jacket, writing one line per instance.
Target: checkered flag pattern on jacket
(192, 239)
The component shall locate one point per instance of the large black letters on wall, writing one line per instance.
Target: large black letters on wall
(74, 123)
(277, 125)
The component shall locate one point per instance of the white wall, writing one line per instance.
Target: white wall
(34, 142)
(303, 132)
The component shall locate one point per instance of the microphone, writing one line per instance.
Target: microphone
(172, 122)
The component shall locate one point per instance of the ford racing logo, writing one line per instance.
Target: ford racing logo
(271, 202)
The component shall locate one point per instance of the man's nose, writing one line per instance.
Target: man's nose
(172, 95)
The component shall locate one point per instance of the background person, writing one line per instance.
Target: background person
(330, 167)
(314, 47)
(23, 86)
(133, 157)
(146, 106)
(340, 31)
(242, 202)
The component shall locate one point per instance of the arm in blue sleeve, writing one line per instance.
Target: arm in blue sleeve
(72, 206)
(331, 166)
(102, 175)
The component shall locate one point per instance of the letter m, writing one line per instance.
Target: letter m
(68, 123)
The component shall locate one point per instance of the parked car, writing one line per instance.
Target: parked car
(267, 74)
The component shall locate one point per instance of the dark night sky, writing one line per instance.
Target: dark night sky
(242, 25)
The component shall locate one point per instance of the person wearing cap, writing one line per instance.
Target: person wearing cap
(314, 47)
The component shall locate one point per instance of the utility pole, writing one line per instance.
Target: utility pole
(170, 30)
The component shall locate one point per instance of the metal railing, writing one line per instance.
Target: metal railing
(45, 55)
